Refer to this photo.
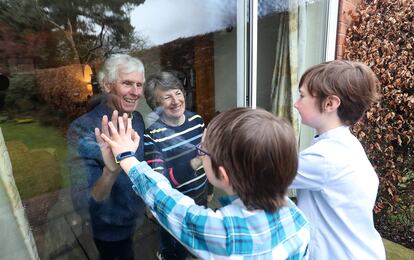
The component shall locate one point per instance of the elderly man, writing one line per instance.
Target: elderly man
(113, 207)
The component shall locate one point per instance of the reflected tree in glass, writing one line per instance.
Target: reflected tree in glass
(78, 31)
(92, 28)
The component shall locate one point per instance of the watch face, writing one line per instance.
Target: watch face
(124, 155)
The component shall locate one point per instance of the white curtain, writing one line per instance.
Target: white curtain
(286, 67)
(300, 44)
(16, 236)
(289, 44)
(281, 80)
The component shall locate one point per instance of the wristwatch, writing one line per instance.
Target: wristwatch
(124, 155)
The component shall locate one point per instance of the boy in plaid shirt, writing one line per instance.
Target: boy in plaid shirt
(252, 156)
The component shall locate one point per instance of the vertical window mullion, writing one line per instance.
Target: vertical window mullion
(247, 17)
(242, 52)
(332, 23)
(253, 11)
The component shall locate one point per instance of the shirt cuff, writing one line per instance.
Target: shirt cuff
(144, 178)
(140, 168)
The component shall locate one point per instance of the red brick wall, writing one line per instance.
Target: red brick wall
(346, 7)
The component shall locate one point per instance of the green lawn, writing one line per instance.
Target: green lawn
(397, 252)
(35, 136)
(38, 154)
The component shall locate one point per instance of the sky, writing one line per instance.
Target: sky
(162, 21)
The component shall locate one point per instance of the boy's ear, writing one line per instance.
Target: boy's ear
(224, 181)
(331, 103)
(223, 177)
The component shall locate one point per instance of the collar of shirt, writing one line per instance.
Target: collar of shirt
(227, 200)
(330, 133)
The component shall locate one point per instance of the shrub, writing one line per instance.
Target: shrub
(64, 90)
(382, 36)
(21, 95)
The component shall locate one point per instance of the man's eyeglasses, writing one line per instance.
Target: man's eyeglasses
(200, 151)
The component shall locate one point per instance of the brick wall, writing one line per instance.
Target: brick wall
(346, 7)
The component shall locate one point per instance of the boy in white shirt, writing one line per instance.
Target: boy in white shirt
(336, 184)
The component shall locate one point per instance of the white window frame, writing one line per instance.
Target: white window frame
(247, 16)
(331, 34)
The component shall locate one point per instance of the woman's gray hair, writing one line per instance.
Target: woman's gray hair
(162, 80)
(109, 71)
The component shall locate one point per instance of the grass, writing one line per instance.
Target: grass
(395, 251)
(35, 136)
(38, 155)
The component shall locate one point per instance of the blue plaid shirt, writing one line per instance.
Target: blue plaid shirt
(229, 232)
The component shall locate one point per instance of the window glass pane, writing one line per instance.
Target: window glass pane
(50, 55)
(291, 38)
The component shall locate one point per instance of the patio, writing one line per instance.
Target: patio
(60, 233)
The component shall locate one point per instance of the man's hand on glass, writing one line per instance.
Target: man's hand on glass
(107, 154)
(120, 136)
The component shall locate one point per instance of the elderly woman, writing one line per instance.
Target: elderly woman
(170, 147)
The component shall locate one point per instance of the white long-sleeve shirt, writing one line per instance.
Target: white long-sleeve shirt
(336, 189)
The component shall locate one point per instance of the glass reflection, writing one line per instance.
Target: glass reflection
(50, 56)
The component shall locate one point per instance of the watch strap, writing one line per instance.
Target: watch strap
(124, 155)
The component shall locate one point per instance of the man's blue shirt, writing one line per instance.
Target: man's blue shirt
(115, 218)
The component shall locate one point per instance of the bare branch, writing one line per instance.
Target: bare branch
(90, 51)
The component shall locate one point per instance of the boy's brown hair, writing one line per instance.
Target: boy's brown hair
(259, 153)
(353, 83)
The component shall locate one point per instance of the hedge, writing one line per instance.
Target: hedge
(382, 36)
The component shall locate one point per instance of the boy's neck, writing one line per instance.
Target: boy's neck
(328, 124)
(229, 191)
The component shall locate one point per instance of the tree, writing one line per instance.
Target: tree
(78, 30)
(92, 28)
(21, 30)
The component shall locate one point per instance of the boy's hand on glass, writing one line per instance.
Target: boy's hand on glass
(121, 139)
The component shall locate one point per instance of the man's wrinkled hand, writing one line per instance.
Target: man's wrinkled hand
(107, 155)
